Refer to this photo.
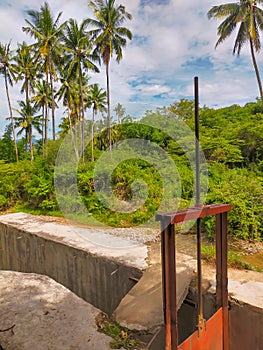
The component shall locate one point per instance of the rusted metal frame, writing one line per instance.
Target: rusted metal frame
(169, 266)
(169, 284)
(201, 320)
(221, 273)
(219, 284)
(193, 213)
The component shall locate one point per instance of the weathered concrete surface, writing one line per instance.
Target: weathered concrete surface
(89, 239)
(243, 286)
(96, 269)
(45, 315)
(245, 327)
(142, 307)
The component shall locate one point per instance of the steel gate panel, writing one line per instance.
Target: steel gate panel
(210, 339)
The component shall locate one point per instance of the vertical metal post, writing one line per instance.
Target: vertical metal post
(169, 285)
(221, 273)
(201, 321)
(197, 148)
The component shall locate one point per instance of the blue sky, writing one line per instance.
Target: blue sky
(173, 41)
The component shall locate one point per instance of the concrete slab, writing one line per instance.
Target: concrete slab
(45, 315)
(243, 285)
(142, 308)
(94, 240)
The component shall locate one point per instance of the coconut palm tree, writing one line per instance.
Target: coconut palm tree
(43, 98)
(110, 37)
(26, 68)
(8, 71)
(120, 111)
(248, 17)
(69, 94)
(97, 99)
(79, 59)
(27, 121)
(46, 30)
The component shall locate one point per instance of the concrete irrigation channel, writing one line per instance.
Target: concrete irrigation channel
(57, 278)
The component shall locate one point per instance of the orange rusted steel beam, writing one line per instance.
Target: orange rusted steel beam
(169, 285)
(193, 213)
(221, 273)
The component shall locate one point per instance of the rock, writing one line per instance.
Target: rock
(142, 308)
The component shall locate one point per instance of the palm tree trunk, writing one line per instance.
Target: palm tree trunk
(26, 143)
(52, 108)
(11, 114)
(92, 135)
(43, 128)
(256, 70)
(30, 144)
(46, 111)
(72, 134)
(108, 103)
(82, 115)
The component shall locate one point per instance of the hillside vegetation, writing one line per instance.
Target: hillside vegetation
(231, 140)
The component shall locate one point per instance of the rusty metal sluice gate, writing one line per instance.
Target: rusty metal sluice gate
(213, 333)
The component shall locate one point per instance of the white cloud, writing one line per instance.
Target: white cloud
(172, 42)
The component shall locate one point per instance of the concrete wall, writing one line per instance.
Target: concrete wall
(245, 327)
(99, 280)
(104, 280)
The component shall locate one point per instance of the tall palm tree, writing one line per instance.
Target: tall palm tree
(26, 68)
(110, 37)
(97, 99)
(8, 71)
(249, 18)
(120, 111)
(68, 93)
(79, 59)
(46, 30)
(43, 99)
(27, 121)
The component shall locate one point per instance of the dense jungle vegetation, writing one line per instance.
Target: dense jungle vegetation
(54, 68)
(232, 142)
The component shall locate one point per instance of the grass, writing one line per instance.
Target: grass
(122, 336)
(208, 254)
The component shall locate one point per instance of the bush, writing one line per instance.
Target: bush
(243, 190)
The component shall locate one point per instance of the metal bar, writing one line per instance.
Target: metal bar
(221, 273)
(197, 149)
(172, 270)
(193, 213)
(201, 322)
(169, 285)
(224, 282)
(165, 281)
(218, 261)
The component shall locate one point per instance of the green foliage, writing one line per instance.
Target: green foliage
(131, 191)
(27, 183)
(243, 190)
(7, 148)
(235, 260)
(122, 336)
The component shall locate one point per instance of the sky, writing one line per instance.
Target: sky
(173, 41)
